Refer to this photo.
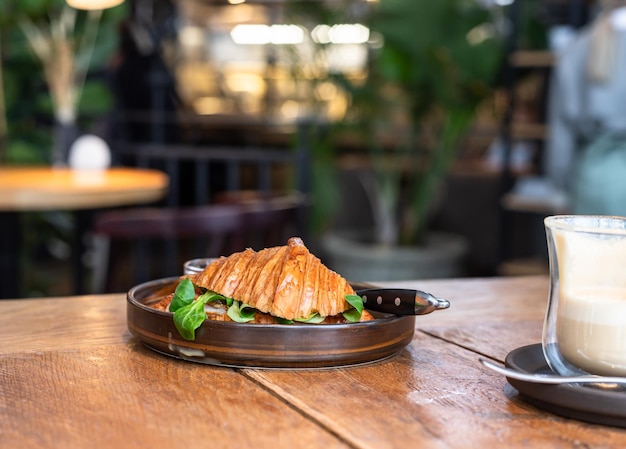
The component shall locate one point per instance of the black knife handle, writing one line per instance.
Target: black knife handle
(395, 301)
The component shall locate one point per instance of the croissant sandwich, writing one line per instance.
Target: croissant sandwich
(283, 284)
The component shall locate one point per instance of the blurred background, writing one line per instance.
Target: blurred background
(423, 125)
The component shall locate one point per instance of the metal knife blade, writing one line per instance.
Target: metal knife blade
(401, 301)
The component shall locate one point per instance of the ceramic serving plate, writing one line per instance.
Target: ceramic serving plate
(265, 345)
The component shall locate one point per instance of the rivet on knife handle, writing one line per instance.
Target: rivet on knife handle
(401, 301)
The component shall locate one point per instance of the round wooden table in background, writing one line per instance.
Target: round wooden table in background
(29, 189)
(45, 188)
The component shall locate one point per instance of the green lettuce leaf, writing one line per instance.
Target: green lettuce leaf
(241, 313)
(190, 317)
(354, 315)
(279, 320)
(183, 295)
(314, 318)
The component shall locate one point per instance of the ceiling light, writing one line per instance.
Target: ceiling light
(341, 34)
(264, 34)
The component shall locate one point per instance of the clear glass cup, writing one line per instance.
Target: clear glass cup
(193, 266)
(585, 325)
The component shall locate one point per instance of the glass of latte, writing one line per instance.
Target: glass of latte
(585, 325)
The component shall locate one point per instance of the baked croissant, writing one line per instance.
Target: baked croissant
(286, 281)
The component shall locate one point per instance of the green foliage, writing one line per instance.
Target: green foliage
(27, 100)
(437, 61)
(27, 152)
(428, 52)
(324, 179)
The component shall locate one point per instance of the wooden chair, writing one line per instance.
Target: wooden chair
(133, 243)
(192, 174)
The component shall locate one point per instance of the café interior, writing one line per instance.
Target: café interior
(451, 127)
(420, 204)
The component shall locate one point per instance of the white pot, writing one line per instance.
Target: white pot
(351, 255)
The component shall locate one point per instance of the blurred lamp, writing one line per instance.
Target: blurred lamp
(93, 4)
(89, 152)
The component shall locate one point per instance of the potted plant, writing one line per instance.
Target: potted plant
(436, 64)
(55, 45)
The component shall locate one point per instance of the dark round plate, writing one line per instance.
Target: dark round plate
(265, 345)
(583, 402)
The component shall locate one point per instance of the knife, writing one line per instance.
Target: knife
(399, 301)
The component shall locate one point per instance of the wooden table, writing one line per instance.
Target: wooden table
(72, 376)
(27, 189)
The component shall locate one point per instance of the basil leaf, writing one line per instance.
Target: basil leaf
(354, 315)
(191, 316)
(183, 295)
(237, 312)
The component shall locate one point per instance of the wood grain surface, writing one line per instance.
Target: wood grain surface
(71, 376)
(129, 397)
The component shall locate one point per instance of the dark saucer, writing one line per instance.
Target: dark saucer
(582, 402)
